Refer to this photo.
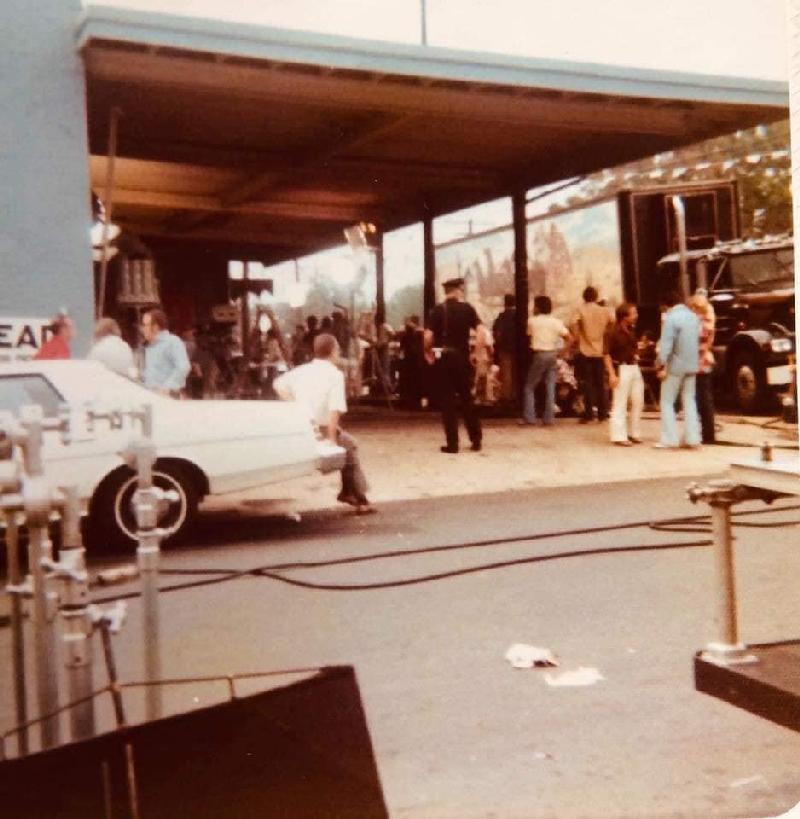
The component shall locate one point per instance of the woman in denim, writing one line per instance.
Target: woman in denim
(705, 372)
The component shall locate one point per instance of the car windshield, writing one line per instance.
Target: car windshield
(758, 269)
(17, 391)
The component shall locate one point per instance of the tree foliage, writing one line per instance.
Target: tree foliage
(758, 159)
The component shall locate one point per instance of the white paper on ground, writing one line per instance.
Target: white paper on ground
(580, 676)
(748, 780)
(521, 655)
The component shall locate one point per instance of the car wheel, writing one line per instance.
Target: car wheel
(113, 521)
(749, 385)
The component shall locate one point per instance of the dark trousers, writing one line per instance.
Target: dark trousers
(704, 396)
(593, 387)
(454, 381)
(354, 482)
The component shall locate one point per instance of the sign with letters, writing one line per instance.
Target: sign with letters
(21, 338)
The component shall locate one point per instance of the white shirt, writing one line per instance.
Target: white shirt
(114, 353)
(317, 386)
(546, 332)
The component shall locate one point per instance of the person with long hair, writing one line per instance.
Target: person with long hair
(704, 391)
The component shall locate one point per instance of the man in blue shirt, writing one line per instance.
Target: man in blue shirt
(679, 355)
(166, 363)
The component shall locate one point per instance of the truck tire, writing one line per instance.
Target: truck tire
(748, 381)
(112, 523)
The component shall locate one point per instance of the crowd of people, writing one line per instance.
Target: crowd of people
(608, 355)
(452, 362)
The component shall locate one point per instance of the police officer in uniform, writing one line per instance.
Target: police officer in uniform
(447, 337)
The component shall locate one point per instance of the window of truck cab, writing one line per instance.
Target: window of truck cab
(763, 268)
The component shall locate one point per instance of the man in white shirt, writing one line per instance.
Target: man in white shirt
(111, 349)
(319, 387)
(547, 335)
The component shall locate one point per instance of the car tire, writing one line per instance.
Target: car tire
(748, 381)
(112, 523)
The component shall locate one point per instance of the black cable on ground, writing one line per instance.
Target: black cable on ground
(485, 567)
(682, 524)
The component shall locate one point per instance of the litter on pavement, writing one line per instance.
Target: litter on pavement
(521, 655)
(748, 780)
(583, 675)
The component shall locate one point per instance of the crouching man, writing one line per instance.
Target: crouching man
(319, 387)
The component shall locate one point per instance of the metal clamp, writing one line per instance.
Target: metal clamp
(112, 617)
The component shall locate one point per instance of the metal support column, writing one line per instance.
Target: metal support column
(727, 621)
(77, 631)
(147, 503)
(380, 297)
(113, 127)
(17, 635)
(37, 503)
(521, 284)
(429, 266)
(245, 316)
(721, 496)
(148, 555)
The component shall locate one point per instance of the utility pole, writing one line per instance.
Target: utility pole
(424, 22)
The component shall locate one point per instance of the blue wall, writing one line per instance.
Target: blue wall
(45, 252)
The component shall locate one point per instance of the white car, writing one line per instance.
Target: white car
(203, 447)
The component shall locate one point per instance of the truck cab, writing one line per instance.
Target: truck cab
(751, 286)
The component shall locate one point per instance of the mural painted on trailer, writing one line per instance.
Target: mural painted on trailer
(571, 250)
(486, 263)
(566, 252)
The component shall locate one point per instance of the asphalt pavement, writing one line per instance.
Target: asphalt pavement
(457, 731)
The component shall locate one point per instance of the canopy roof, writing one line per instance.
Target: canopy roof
(271, 141)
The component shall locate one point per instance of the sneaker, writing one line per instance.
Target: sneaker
(350, 500)
(449, 449)
(476, 446)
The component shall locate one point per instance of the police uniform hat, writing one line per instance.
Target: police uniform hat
(453, 284)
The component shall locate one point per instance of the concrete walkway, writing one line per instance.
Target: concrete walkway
(400, 453)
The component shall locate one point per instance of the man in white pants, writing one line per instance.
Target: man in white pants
(625, 377)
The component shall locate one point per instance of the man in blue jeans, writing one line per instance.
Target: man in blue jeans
(678, 354)
(547, 334)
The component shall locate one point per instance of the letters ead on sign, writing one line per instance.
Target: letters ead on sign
(21, 338)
